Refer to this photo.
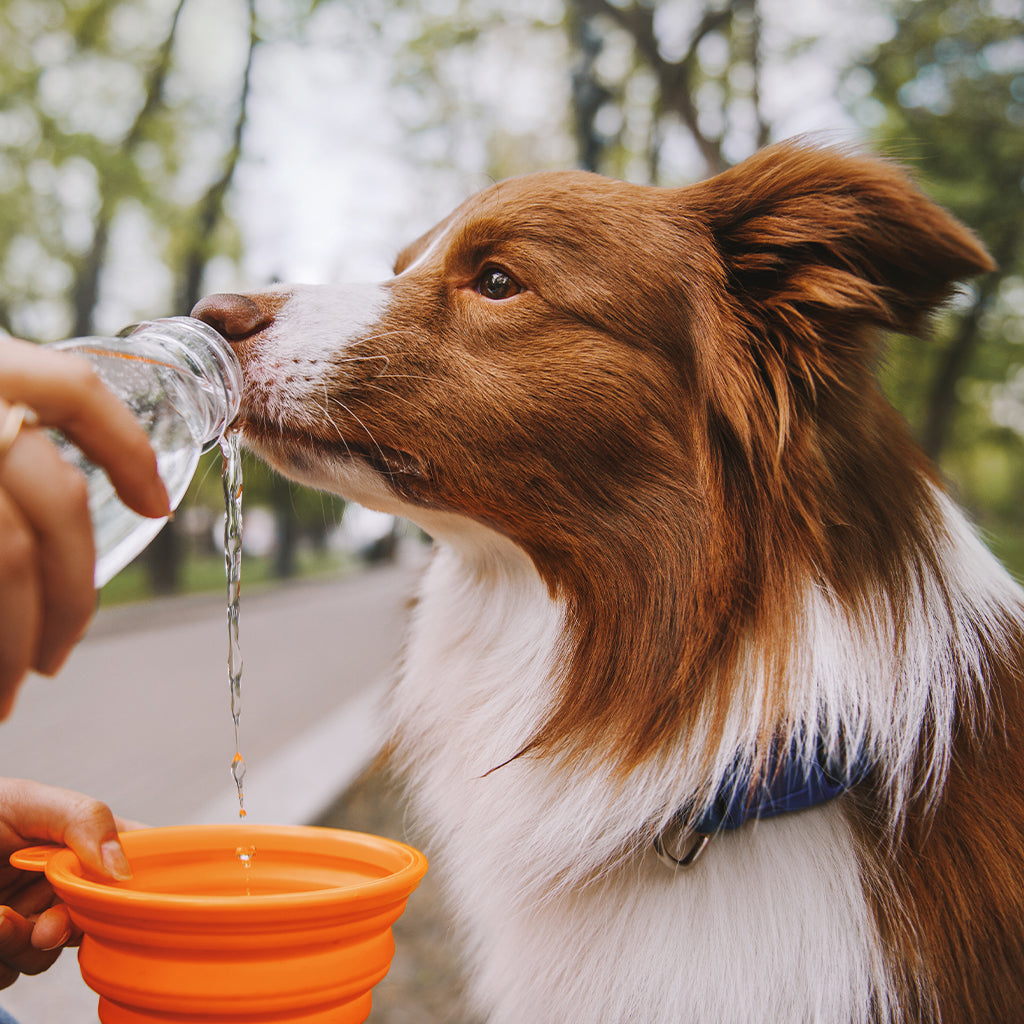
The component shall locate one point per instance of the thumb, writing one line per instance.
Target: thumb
(31, 811)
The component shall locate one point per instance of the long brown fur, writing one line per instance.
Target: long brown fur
(719, 446)
(748, 418)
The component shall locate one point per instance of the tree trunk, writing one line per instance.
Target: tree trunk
(166, 559)
(676, 79)
(588, 95)
(286, 528)
(941, 403)
(85, 291)
(163, 560)
(86, 287)
(211, 207)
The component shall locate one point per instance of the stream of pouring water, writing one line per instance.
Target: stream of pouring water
(232, 479)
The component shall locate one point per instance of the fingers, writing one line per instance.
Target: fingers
(90, 830)
(52, 930)
(33, 927)
(66, 393)
(47, 553)
(21, 942)
(51, 498)
(31, 811)
(20, 601)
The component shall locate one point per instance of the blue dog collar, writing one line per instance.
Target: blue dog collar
(791, 781)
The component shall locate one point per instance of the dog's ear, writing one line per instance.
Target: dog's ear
(804, 232)
(811, 247)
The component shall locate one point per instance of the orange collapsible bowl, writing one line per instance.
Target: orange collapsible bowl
(237, 924)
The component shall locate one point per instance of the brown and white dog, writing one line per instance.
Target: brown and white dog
(684, 548)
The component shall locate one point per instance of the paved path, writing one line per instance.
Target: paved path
(140, 717)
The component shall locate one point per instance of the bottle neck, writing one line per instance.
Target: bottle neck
(208, 355)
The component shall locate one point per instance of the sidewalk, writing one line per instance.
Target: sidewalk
(425, 983)
(140, 717)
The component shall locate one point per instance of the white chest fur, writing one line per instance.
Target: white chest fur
(566, 915)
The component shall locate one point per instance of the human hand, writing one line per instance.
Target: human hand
(34, 925)
(47, 554)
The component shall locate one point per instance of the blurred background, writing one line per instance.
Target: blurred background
(155, 150)
(152, 151)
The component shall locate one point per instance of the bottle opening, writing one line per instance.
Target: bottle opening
(201, 346)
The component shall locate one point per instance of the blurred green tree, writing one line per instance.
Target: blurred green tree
(93, 150)
(944, 91)
(104, 138)
(949, 89)
(697, 70)
(120, 139)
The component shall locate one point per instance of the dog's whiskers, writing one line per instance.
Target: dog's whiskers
(345, 408)
(386, 357)
(367, 359)
(325, 409)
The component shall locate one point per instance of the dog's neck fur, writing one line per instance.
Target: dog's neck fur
(707, 533)
(530, 855)
(525, 845)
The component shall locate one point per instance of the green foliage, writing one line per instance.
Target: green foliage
(119, 137)
(951, 84)
(205, 574)
(312, 512)
(673, 77)
(479, 87)
(118, 145)
(74, 84)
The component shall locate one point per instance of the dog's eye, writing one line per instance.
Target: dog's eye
(496, 284)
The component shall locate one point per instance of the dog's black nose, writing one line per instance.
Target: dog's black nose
(236, 317)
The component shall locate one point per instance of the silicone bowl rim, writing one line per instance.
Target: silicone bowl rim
(404, 864)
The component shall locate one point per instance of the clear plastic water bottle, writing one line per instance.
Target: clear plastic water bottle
(183, 383)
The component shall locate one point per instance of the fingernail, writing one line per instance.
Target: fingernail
(65, 935)
(6, 927)
(114, 861)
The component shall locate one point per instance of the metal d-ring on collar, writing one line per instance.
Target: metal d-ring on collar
(698, 844)
(790, 781)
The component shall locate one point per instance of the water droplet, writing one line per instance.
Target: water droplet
(246, 855)
(238, 774)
